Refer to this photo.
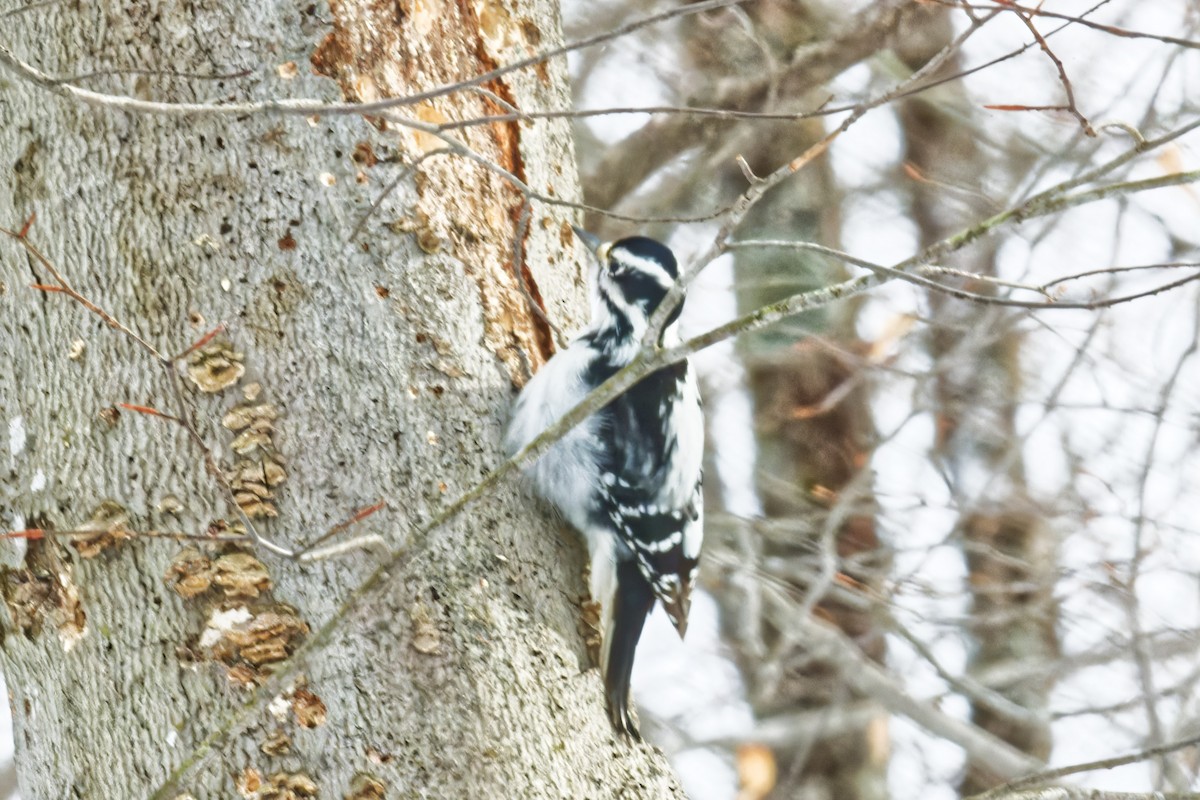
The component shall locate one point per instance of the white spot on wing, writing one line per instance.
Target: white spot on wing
(671, 540)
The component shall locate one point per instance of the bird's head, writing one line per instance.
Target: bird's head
(631, 277)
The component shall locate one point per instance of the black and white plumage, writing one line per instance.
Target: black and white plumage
(629, 476)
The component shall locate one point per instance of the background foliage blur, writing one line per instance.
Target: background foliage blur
(993, 505)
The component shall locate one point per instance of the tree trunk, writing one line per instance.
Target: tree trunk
(813, 429)
(814, 435)
(374, 369)
(1010, 553)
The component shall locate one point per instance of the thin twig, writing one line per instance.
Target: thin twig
(1114, 270)
(720, 114)
(309, 107)
(647, 362)
(1141, 656)
(741, 207)
(52, 533)
(1090, 766)
(391, 187)
(1062, 73)
(203, 340)
(915, 274)
(358, 516)
(1081, 20)
(174, 380)
(66, 288)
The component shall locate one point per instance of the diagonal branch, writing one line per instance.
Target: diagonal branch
(757, 189)
(1091, 766)
(649, 361)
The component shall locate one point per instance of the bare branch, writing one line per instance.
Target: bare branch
(1007, 790)
(1079, 20)
(1062, 73)
(65, 287)
(308, 107)
(917, 276)
(755, 192)
(834, 647)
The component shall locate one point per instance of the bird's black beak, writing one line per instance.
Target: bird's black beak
(590, 240)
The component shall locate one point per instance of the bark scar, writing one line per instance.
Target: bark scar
(475, 213)
(507, 136)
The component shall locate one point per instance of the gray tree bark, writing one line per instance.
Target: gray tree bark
(378, 368)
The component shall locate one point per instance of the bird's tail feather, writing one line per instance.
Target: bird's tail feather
(625, 614)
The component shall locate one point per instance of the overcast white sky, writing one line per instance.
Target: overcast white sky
(694, 685)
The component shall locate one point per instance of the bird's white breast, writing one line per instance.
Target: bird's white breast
(566, 474)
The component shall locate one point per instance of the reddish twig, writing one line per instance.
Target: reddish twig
(1062, 72)
(358, 516)
(203, 340)
(28, 533)
(66, 288)
(153, 412)
(169, 365)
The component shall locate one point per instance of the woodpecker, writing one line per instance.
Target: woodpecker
(628, 478)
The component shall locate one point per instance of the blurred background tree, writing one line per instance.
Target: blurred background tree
(989, 501)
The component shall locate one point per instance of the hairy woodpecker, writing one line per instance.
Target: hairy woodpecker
(629, 476)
